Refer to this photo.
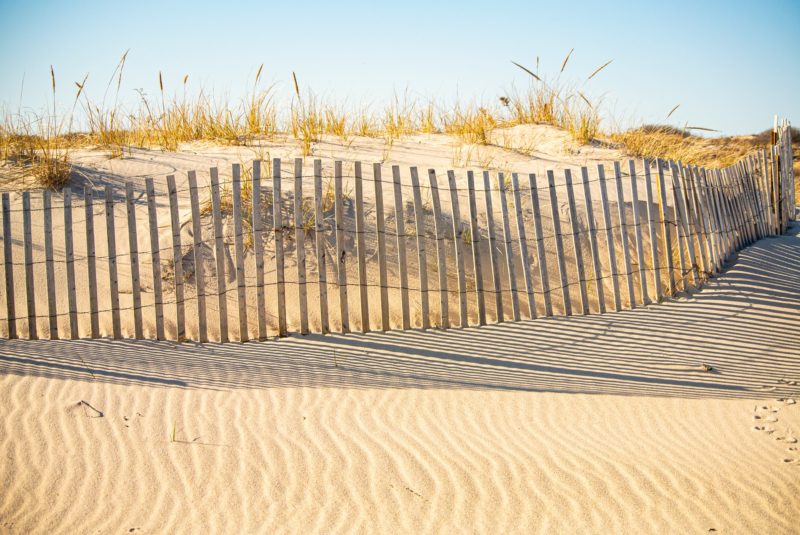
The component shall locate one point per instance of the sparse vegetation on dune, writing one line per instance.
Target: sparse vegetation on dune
(38, 145)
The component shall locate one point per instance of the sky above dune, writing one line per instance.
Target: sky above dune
(731, 65)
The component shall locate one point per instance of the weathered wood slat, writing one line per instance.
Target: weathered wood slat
(476, 255)
(609, 230)
(219, 256)
(494, 260)
(652, 218)
(665, 224)
(400, 230)
(177, 260)
(507, 242)
(680, 236)
(238, 246)
(576, 242)
(91, 263)
(593, 247)
(300, 243)
(277, 228)
(523, 246)
(258, 251)
(322, 254)
(422, 255)
(361, 247)
(11, 313)
(623, 234)
(683, 222)
(637, 227)
(441, 251)
(692, 218)
(155, 255)
(48, 264)
(133, 249)
(540, 251)
(341, 252)
(383, 277)
(458, 238)
(69, 251)
(112, 264)
(33, 333)
(197, 255)
(562, 266)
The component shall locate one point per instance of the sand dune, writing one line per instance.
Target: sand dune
(592, 424)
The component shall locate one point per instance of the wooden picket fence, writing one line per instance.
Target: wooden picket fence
(695, 220)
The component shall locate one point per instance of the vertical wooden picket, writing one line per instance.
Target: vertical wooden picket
(91, 263)
(300, 246)
(11, 313)
(400, 231)
(652, 218)
(441, 252)
(238, 245)
(665, 223)
(219, 256)
(540, 251)
(596, 266)
(637, 226)
(69, 251)
(341, 260)
(48, 264)
(576, 242)
(476, 255)
(197, 255)
(623, 234)
(322, 254)
(562, 267)
(458, 238)
(177, 260)
(422, 255)
(277, 228)
(258, 250)
(361, 249)
(383, 277)
(523, 246)
(155, 257)
(112, 264)
(612, 253)
(495, 262)
(133, 249)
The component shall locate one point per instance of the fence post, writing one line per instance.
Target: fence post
(458, 237)
(476, 255)
(155, 257)
(199, 267)
(683, 217)
(507, 240)
(441, 252)
(498, 294)
(540, 252)
(383, 279)
(258, 250)
(319, 235)
(612, 253)
(341, 260)
(623, 233)
(238, 244)
(277, 227)
(400, 231)
(91, 262)
(361, 250)
(133, 248)
(300, 243)
(419, 219)
(596, 267)
(665, 223)
(652, 217)
(112, 263)
(637, 225)
(72, 301)
(562, 268)
(177, 259)
(219, 256)
(523, 246)
(9, 267)
(49, 268)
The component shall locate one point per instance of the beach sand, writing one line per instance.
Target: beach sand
(672, 418)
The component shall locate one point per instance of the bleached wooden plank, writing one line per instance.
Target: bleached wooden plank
(422, 255)
(653, 217)
(363, 292)
(441, 252)
(300, 242)
(540, 251)
(523, 247)
(665, 224)
(593, 247)
(576, 242)
(219, 256)
(562, 267)
(48, 264)
(69, 252)
(197, 255)
(341, 252)
(383, 277)
(682, 211)
(637, 227)
(623, 234)
(679, 234)
(400, 230)
(322, 254)
(238, 246)
(277, 227)
(258, 251)
(609, 231)
(495, 262)
(715, 220)
(507, 243)
(33, 333)
(476, 255)
(133, 249)
(91, 262)
(112, 264)
(11, 313)
(692, 216)
(458, 238)
(177, 259)
(155, 256)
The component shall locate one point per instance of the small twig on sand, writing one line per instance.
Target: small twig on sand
(86, 404)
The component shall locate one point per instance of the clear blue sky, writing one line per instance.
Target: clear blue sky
(730, 64)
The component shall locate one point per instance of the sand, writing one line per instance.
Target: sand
(672, 418)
